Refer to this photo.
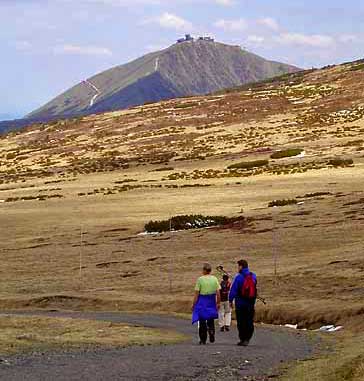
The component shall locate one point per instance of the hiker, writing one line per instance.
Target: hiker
(244, 292)
(225, 310)
(221, 272)
(206, 303)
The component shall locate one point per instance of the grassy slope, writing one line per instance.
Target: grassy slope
(22, 334)
(318, 242)
(345, 364)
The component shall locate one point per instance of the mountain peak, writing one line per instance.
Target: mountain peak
(188, 67)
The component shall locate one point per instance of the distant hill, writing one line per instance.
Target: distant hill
(188, 68)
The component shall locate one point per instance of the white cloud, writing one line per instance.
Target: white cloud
(255, 40)
(313, 40)
(82, 50)
(269, 23)
(128, 3)
(23, 45)
(348, 38)
(171, 21)
(231, 25)
(156, 47)
(225, 3)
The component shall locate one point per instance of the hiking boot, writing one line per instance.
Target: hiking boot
(212, 336)
(227, 328)
(202, 342)
(243, 343)
(222, 329)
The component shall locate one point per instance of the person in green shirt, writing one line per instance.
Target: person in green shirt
(206, 303)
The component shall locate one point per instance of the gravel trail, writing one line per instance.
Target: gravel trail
(185, 361)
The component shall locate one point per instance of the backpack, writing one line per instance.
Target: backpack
(249, 288)
(225, 288)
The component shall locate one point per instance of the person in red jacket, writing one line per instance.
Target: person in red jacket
(225, 310)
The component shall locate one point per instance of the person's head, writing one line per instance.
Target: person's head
(206, 269)
(242, 264)
(225, 277)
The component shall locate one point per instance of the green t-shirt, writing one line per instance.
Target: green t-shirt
(207, 285)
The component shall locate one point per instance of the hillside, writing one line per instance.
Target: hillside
(300, 109)
(89, 185)
(189, 68)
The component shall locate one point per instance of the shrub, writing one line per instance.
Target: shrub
(187, 222)
(316, 194)
(341, 162)
(282, 202)
(249, 164)
(11, 155)
(186, 105)
(164, 169)
(286, 153)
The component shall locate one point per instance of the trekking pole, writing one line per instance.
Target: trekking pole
(262, 300)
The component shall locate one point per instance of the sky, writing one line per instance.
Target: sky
(48, 46)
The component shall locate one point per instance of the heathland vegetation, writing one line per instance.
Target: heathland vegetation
(83, 190)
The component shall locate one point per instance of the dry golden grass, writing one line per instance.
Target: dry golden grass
(41, 255)
(346, 364)
(23, 334)
(317, 244)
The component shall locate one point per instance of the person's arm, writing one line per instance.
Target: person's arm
(218, 299)
(197, 293)
(233, 291)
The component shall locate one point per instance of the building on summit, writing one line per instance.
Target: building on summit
(189, 38)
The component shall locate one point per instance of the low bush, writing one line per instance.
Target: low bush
(187, 222)
(164, 169)
(316, 194)
(249, 164)
(282, 203)
(338, 162)
(186, 105)
(290, 152)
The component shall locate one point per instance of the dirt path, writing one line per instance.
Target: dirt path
(185, 361)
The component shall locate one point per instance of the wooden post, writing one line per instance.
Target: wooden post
(275, 249)
(81, 242)
(170, 260)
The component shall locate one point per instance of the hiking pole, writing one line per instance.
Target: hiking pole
(262, 300)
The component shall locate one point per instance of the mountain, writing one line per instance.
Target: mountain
(184, 69)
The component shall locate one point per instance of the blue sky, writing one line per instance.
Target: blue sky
(49, 45)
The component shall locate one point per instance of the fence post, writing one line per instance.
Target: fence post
(81, 243)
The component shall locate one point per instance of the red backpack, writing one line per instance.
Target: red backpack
(249, 288)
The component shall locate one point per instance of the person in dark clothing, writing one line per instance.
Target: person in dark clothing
(243, 292)
(225, 310)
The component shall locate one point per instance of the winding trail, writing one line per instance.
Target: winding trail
(185, 361)
(156, 64)
(98, 92)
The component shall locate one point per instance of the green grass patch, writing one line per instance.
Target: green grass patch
(186, 105)
(357, 67)
(249, 164)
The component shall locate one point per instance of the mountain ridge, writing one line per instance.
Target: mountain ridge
(189, 68)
